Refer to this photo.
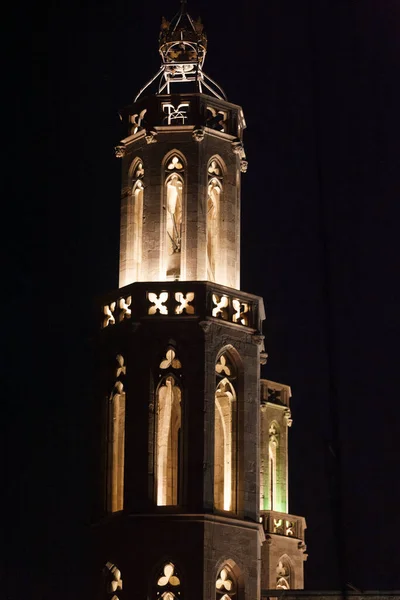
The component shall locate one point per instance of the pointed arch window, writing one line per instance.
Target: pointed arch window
(137, 217)
(116, 441)
(214, 193)
(173, 206)
(168, 432)
(283, 572)
(225, 435)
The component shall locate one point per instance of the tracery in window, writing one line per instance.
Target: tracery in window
(226, 586)
(173, 206)
(169, 583)
(214, 193)
(168, 440)
(283, 574)
(116, 440)
(225, 435)
(137, 217)
(114, 581)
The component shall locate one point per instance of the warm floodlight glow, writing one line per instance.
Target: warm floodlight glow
(224, 446)
(167, 442)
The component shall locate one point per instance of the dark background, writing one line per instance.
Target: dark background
(319, 84)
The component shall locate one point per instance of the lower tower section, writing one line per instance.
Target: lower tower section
(179, 387)
(283, 553)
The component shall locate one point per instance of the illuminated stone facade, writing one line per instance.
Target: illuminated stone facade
(193, 490)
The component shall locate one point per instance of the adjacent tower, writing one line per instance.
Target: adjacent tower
(193, 484)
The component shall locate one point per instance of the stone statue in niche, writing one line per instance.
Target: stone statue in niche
(213, 199)
(174, 224)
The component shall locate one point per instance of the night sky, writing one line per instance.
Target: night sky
(319, 84)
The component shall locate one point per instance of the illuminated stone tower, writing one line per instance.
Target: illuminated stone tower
(193, 445)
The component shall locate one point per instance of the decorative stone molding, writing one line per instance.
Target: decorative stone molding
(243, 166)
(263, 358)
(120, 151)
(205, 325)
(150, 136)
(288, 417)
(198, 134)
(302, 546)
(238, 148)
(258, 339)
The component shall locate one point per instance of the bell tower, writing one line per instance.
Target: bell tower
(190, 503)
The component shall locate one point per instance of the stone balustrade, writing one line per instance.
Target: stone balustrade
(283, 524)
(179, 300)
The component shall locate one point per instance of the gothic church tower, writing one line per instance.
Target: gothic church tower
(193, 483)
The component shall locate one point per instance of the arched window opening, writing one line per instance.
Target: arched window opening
(168, 583)
(168, 440)
(173, 206)
(226, 584)
(283, 574)
(116, 441)
(137, 218)
(214, 192)
(272, 470)
(225, 435)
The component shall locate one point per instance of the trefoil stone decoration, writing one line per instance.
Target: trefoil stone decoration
(214, 169)
(225, 586)
(116, 581)
(158, 303)
(169, 577)
(185, 303)
(222, 367)
(170, 360)
(243, 166)
(282, 576)
(175, 164)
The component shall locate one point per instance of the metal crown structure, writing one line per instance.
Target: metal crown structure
(183, 48)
